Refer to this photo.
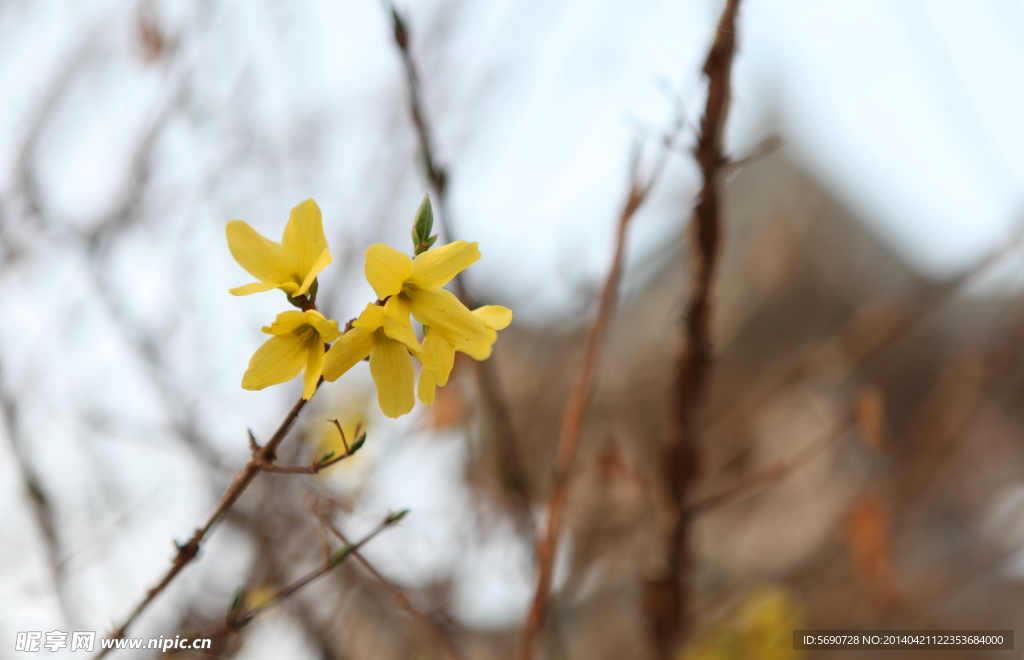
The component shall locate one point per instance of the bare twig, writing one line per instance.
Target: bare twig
(267, 532)
(494, 400)
(666, 598)
(903, 315)
(758, 480)
(187, 552)
(237, 619)
(41, 507)
(318, 464)
(336, 559)
(765, 147)
(440, 637)
(576, 407)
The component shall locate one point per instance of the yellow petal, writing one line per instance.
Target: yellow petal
(425, 390)
(386, 269)
(435, 268)
(443, 313)
(278, 360)
(261, 257)
(442, 354)
(391, 368)
(494, 316)
(286, 323)
(480, 350)
(255, 287)
(426, 359)
(321, 262)
(397, 325)
(371, 318)
(353, 346)
(314, 367)
(328, 330)
(303, 241)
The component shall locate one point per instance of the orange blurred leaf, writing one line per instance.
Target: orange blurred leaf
(867, 535)
(151, 37)
(871, 418)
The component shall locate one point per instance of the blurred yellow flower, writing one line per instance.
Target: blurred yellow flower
(259, 596)
(761, 627)
(418, 283)
(351, 476)
(385, 335)
(439, 356)
(297, 344)
(291, 265)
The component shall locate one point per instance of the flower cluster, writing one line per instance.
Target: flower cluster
(301, 340)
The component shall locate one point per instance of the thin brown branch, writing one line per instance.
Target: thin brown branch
(337, 559)
(187, 552)
(759, 480)
(40, 504)
(313, 468)
(494, 400)
(266, 529)
(765, 147)
(572, 422)
(666, 597)
(238, 620)
(901, 316)
(319, 464)
(440, 637)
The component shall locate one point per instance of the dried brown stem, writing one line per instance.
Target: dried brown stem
(572, 422)
(439, 635)
(264, 455)
(494, 400)
(666, 598)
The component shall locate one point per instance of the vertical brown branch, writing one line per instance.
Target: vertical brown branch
(572, 424)
(497, 409)
(666, 600)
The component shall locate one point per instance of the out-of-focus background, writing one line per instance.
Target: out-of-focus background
(869, 273)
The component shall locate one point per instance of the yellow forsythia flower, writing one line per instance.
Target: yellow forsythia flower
(291, 265)
(440, 355)
(761, 627)
(386, 336)
(297, 345)
(418, 282)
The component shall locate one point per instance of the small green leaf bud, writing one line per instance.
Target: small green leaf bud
(423, 224)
